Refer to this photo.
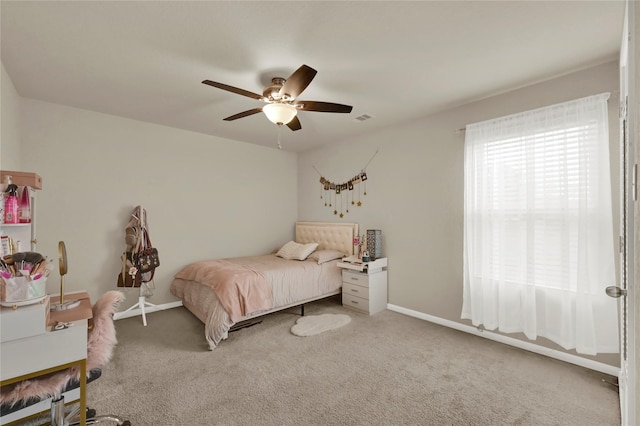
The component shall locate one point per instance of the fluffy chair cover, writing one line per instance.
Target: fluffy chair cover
(100, 344)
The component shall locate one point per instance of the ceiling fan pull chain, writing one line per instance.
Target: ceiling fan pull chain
(279, 135)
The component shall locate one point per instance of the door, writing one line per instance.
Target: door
(629, 194)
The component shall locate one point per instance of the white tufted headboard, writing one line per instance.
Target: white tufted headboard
(329, 236)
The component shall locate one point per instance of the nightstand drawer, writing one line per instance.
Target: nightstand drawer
(355, 302)
(355, 278)
(355, 290)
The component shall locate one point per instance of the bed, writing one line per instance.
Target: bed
(225, 292)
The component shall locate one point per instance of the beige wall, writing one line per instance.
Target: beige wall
(205, 197)
(415, 189)
(9, 124)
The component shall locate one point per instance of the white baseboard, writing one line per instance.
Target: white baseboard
(531, 347)
(148, 309)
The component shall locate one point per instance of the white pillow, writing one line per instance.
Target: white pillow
(322, 256)
(296, 251)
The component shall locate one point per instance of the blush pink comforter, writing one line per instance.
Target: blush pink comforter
(240, 289)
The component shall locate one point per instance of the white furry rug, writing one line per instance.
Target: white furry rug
(316, 324)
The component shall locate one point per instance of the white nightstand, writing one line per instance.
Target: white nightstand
(365, 290)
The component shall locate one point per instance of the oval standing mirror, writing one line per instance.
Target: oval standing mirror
(62, 305)
(62, 253)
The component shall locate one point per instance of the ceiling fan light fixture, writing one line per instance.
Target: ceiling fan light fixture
(279, 98)
(279, 113)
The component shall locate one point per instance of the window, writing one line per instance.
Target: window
(538, 249)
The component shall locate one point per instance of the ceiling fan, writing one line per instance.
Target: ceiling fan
(281, 100)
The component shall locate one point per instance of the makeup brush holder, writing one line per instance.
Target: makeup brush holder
(22, 290)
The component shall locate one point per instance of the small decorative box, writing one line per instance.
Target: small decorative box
(23, 178)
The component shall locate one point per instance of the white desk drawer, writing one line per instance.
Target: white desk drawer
(25, 321)
(36, 353)
(355, 278)
(355, 290)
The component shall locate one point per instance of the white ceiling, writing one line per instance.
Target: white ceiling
(396, 61)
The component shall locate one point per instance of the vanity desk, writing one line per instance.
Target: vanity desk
(31, 345)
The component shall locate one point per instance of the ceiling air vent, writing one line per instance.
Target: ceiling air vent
(363, 117)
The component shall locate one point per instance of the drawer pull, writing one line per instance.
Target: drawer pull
(354, 290)
(355, 278)
(354, 302)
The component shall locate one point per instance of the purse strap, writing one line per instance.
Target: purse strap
(145, 241)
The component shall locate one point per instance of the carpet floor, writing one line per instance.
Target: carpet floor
(387, 369)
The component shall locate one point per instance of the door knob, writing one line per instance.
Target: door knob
(615, 291)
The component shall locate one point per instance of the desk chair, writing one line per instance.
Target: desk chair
(100, 343)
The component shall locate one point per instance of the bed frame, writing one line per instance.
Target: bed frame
(329, 236)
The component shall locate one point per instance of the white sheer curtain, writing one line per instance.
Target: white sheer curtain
(538, 229)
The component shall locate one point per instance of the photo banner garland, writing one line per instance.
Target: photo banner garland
(341, 195)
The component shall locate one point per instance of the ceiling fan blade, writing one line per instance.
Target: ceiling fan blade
(233, 89)
(297, 82)
(294, 124)
(243, 114)
(323, 106)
